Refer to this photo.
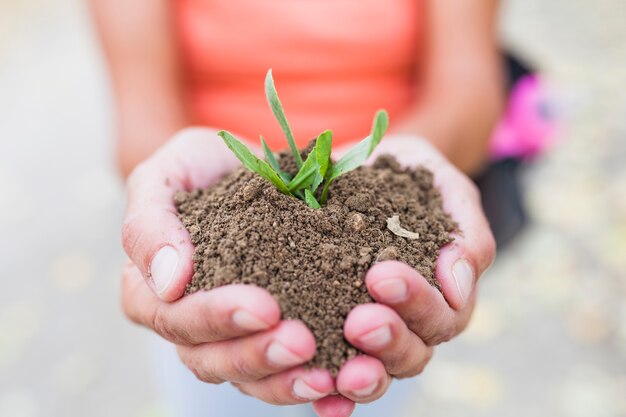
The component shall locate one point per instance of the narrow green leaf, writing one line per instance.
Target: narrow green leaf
(310, 199)
(323, 147)
(324, 195)
(306, 175)
(309, 174)
(271, 159)
(359, 153)
(251, 162)
(269, 155)
(279, 113)
(362, 150)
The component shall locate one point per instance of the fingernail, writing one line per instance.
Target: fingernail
(377, 338)
(464, 278)
(367, 391)
(304, 391)
(279, 355)
(163, 267)
(248, 321)
(392, 290)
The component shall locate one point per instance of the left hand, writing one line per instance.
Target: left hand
(398, 333)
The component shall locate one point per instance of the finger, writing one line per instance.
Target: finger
(152, 235)
(251, 358)
(435, 316)
(363, 379)
(464, 260)
(420, 305)
(205, 316)
(378, 331)
(473, 250)
(333, 406)
(295, 386)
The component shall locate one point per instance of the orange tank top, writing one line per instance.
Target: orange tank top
(335, 62)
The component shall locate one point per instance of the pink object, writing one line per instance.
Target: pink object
(528, 126)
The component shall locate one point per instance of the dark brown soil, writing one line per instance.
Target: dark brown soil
(314, 261)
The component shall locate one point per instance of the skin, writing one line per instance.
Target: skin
(460, 80)
(217, 349)
(138, 43)
(458, 106)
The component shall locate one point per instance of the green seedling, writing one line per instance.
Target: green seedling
(317, 171)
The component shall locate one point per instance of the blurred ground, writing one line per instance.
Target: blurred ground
(549, 333)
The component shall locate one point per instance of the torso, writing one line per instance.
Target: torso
(335, 63)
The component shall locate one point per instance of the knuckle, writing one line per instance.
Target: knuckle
(428, 354)
(397, 365)
(434, 337)
(244, 370)
(417, 366)
(408, 373)
(400, 358)
(447, 335)
(433, 333)
(198, 367)
(271, 395)
(205, 375)
(275, 398)
(161, 324)
(212, 327)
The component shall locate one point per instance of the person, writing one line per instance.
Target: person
(434, 65)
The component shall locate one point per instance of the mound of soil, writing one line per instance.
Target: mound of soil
(313, 261)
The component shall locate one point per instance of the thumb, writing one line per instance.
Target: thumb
(152, 234)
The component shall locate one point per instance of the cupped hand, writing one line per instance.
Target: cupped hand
(410, 317)
(232, 333)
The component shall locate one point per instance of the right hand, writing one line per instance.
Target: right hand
(232, 333)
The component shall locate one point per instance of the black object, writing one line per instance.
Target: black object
(502, 199)
(499, 184)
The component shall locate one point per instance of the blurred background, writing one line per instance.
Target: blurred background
(549, 333)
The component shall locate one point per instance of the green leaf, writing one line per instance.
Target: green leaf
(279, 113)
(309, 174)
(359, 153)
(362, 150)
(271, 159)
(323, 147)
(324, 195)
(269, 156)
(251, 162)
(310, 199)
(306, 175)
